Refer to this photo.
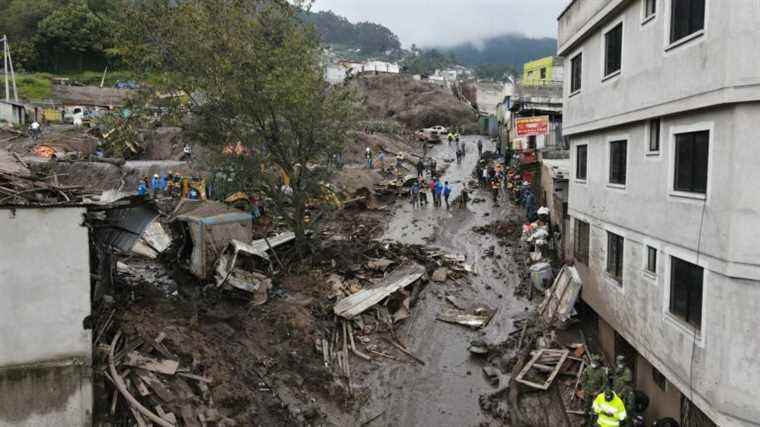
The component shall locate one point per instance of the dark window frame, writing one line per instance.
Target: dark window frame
(686, 293)
(650, 8)
(576, 73)
(615, 256)
(582, 238)
(543, 73)
(691, 166)
(618, 167)
(578, 163)
(651, 264)
(655, 138)
(613, 50)
(687, 17)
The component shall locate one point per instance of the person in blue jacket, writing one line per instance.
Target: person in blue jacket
(438, 190)
(155, 184)
(446, 193)
(142, 188)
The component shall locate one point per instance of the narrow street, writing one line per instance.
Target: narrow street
(445, 391)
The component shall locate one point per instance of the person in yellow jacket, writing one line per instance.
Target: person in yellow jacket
(609, 409)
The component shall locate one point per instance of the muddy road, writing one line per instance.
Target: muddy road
(445, 391)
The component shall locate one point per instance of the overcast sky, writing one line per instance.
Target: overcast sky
(449, 22)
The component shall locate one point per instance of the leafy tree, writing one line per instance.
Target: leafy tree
(72, 37)
(333, 29)
(426, 62)
(498, 72)
(255, 77)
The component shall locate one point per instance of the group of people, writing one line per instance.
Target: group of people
(490, 178)
(439, 191)
(610, 397)
(170, 185)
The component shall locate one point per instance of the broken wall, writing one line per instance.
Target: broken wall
(45, 351)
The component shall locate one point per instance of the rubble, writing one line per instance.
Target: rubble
(366, 298)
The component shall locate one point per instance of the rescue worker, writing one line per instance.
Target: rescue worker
(414, 193)
(381, 159)
(36, 131)
(593, 380)
(480, 148)
(609, 408)
(142, 188)
(155, 185)
(495, 190)
(187, 153)
(420, 168)
(456, 137)
(451, 138)
(438, 192)
(368, 156)
(622, 379)
(446, 193)
(464, 198)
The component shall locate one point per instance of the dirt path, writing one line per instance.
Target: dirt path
(445, 391)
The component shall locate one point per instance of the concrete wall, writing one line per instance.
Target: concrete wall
(45, 352)
(657, 78)
(719, 361)
(648, 205)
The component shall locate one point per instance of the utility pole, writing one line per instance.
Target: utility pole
(10, 75)
(5, 68)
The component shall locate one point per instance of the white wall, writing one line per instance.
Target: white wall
(657, 79)
(45, 288)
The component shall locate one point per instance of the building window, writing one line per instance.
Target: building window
(654, 135)
(659, 379)
(543, 73)
(530, 75)
(686, 280)
(613, 50)
(581, 162)
(687, 17)
(651, 260)
(691, 162)
(615, 246)
(576, 66)
(582, 232)
(650, 8)
(618, 160)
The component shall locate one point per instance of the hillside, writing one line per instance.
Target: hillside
(337, 31)
(508, 49)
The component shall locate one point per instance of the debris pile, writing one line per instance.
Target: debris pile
(150, 382)
(21, 190)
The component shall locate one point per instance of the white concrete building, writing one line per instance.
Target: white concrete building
(662, 110)
(45, 345)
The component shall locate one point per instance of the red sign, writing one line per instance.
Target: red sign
(528, 126)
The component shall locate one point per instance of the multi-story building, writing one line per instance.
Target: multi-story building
(662, 112)
(543, 71)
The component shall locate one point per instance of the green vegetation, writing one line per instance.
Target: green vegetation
(60, 35)
(263, 87)
(426, 62)
(369, 38)
(498, 72)
(35, 87)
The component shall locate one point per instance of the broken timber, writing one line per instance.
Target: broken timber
(559, 355)
(361, 301)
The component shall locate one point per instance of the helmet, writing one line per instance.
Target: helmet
(155, 176)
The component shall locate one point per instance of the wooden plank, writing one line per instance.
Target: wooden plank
(152, 381)
(162, 366)
(359, 302)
